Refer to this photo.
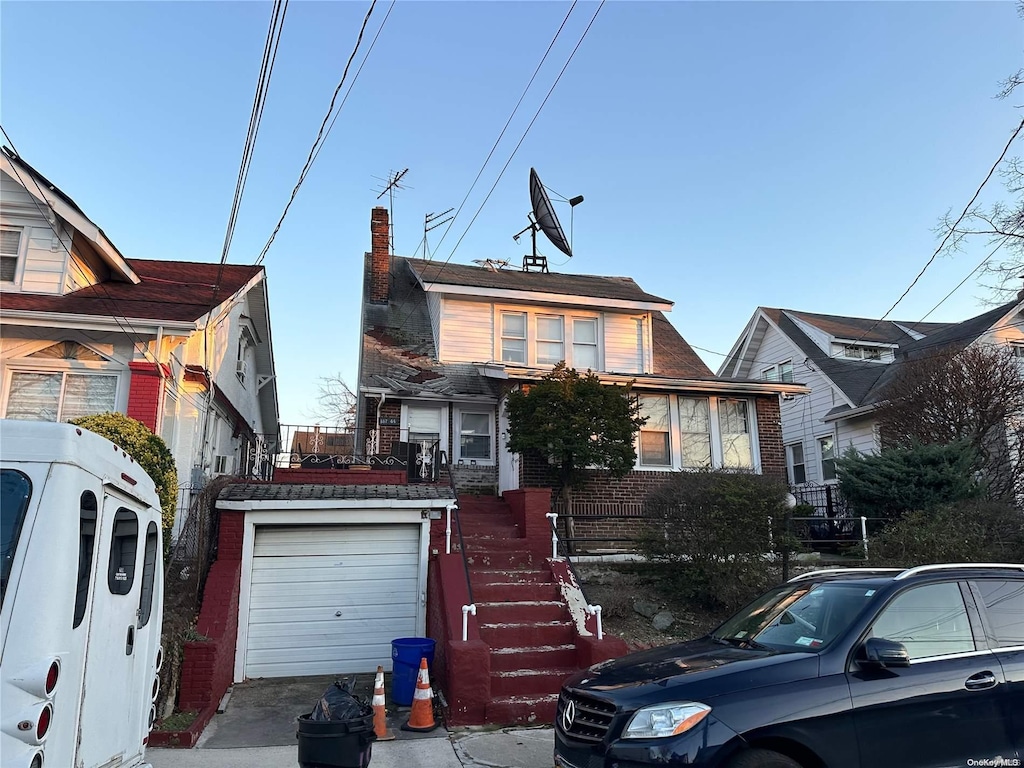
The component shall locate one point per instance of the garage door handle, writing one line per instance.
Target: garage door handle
(980, 681)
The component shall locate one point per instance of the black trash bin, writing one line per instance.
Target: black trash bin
(338, 733)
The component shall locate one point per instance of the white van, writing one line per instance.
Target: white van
(82, 597)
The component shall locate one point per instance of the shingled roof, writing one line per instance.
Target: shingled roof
(177, 291)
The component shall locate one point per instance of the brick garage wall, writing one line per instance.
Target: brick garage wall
(769, 433)
(208, 666)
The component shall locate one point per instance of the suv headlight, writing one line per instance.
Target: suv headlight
(660, 720)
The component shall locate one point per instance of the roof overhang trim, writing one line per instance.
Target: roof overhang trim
(542, 297)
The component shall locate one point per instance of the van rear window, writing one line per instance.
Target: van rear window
(15, 492)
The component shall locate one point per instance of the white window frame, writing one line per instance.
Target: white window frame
(714, 427)
(80, 369)
(822, 459)
(872, 353)
(404, 422)
(779, 372)
(1017, 349)
(460, 411)
(596, 344)
(538, 340)
(673, 429)
(792, 463)
(525, 338)
(19, 256)
(568, 318)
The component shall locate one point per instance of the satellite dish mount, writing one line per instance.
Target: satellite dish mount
(543, 218)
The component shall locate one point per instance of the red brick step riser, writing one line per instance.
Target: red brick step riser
(518, 635)
(535, 657)
(520, 612)
(522, 711)
(532, 682)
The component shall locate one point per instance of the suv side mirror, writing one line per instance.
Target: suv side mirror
(879, 652)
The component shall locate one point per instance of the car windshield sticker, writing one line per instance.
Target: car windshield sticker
(810, 642)
(817, 592)
(869, 593)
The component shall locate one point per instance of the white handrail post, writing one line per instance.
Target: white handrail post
(864, 534)
(448, 528)
(595, 610)
(466, 610)
(553, 517)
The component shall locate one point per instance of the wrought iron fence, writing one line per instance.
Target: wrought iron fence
(326, 447)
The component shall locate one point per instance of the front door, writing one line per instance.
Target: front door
(111, 718)
(508, 462)
(945, 708)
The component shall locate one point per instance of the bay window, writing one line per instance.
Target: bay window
(684, 432)
(59, 395)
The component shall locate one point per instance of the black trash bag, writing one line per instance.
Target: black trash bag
(338, 703)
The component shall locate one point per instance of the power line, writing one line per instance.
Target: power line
(320, 136)
(255, 118)
(970, 274)
(508, 122)
(952, 229)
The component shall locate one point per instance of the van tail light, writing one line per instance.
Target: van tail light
(52, 676)
(43, 721)
(37, 760)
(159, 658)
(156, 687)
(152, 718)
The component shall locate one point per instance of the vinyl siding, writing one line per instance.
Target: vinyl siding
(466, 331)
(622, 353)
(434, 302)
(858, 434)
(45, 261)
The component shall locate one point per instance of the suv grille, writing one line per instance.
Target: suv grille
(591, 718)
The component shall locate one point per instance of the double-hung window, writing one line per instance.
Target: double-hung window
(10, 250)
(827, 447)
(655, 435)
(732, 422)
(475, 432)
(695, 428)
(513, 337)
(584, 343)
(780, 372)
(795, 460)
(550, 339)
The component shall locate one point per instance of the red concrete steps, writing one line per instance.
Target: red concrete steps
(522, 611)
(518, 634)
(515, 591)
(533, 657)
(523, 710)
(528, 682)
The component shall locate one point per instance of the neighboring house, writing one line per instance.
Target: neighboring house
(183, 347)
(846, 362)
(443, 343)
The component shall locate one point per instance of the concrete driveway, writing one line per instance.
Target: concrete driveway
(257, 730)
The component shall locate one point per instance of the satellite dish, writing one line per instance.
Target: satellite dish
(544, 215)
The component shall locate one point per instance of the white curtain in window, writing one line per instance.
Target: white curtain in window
(87, 395)
(695, 425)
(584, 344)
(732, 420)
(513, 337)
(424, 424)
(34, 396)
(475, 436)
(550, 340)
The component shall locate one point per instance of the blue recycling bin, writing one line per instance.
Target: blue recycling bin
(406, 653)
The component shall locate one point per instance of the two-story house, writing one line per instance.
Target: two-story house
(443, 344)
(183, 347)
(846, 361)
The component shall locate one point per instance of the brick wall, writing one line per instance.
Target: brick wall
(475, 479)
(380, 261)
(208, 666)
(769, 433)
(145, 393)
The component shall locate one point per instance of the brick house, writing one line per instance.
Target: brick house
(444, 343)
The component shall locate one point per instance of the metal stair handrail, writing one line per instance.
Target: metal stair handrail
(471, 608)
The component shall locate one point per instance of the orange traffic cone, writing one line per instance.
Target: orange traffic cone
(380, 725)
(422, 716)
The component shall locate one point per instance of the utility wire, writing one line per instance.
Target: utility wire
(508, 122)
(952, 229)
(970, 274)
(319, 137)
(255, 118)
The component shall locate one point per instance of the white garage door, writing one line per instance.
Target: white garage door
(330, 599)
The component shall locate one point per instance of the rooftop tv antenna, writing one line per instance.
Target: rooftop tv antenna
(432, 221)
(391, 185)
(544, 219)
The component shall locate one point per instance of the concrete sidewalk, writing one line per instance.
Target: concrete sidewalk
(469, 748)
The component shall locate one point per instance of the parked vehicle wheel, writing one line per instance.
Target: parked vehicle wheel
(762, 758)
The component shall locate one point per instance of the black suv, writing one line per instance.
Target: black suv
(858, 668)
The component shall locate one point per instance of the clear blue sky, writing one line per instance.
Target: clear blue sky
(731, 154)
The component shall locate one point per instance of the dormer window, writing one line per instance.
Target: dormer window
(878, 353)
(545, 339)
(10, 252)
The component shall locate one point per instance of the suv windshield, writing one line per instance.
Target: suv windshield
(797, 617)
(15, 490)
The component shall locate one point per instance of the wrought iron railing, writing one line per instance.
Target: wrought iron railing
(318, 446)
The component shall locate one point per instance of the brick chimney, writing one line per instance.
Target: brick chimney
(380, 261)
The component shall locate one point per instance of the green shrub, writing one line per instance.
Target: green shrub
(148, 450)
(897, 480)
(964, 532)
(713, 532)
